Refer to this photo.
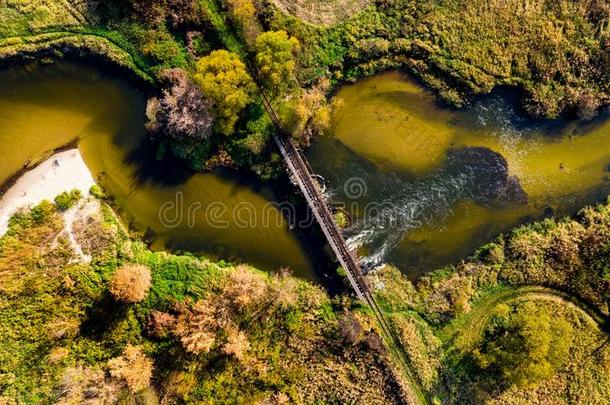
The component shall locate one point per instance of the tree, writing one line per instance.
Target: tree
(244, 287)
(284, 290)
(275, 58)
(130, 283)
(351, 329)
(525, 344)
(223, 78)
(179, 13)
(87, 385)
(182, 112)
(237, 344)
(196, 327)
(243, 16)
(133, 368)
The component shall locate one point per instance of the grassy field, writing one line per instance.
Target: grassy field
(322, 12)
(584, 379)
(555, 51)
(18, 18)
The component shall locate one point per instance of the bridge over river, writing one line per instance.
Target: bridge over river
(303, 176)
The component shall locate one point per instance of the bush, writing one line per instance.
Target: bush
(97, 192)
(341, 219)
(133, 368)
(130, 283)
(526, 344)
(66, 200)
(42, 212)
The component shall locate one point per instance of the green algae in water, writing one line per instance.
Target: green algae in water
(46, 107)
(392, 134)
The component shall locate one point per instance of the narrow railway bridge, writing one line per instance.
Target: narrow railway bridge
(304, 177)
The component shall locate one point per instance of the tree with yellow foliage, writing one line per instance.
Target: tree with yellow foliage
(224, 79)
(243, 15)
(275, 59)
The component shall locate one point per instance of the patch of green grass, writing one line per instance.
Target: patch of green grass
(67, 200)
(583, 375)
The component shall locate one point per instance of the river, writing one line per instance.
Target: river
(426, 185)
(221, 215)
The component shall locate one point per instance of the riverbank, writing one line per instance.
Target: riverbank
(62, 172)
(467, 48)
(444, 318)
(214, 332)
(81, 45)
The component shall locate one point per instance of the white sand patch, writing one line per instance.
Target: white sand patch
(64, 171)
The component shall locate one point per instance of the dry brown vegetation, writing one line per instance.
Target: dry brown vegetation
(130, 283)
(322, 12)
(182, 111)
(87, 385)
(133, 368)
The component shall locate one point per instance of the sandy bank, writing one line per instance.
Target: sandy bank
(64, 171)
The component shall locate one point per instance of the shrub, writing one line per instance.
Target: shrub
(243, 16)
(97, 192)
(341, 219)
(351, 329)
(130, 283)
(86, 385)
(66, 200)
(237, 344)
(133, 368)
(42, 212)
(196, 326)
(245, 287)
(160, 324)
(526, 345)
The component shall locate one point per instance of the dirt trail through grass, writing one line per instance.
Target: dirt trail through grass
(467, 330)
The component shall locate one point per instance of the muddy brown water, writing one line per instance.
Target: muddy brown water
(427, 185)
(218, 214)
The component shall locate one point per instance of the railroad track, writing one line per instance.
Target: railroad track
(304, 177)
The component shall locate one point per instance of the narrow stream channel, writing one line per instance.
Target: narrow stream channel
(43, 108)
(426, 185)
